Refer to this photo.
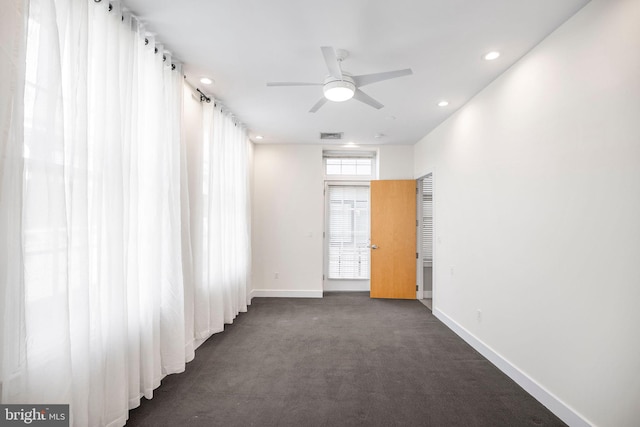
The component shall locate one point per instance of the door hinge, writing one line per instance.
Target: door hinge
(416, 255)
(416, 222)
(417, 288)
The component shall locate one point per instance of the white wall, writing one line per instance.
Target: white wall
(287, 220)
(395, 162)
(288, 214)
(537, 207)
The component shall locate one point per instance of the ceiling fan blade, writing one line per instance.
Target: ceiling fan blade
(331, 59)
(318, 104)
(363, 97)
(292, 84)
(367, 79)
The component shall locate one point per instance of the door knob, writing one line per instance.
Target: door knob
(374, 246)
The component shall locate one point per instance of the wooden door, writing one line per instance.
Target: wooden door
(393, 239)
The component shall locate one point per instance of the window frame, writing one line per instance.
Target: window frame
(328, 154)
(345, 183)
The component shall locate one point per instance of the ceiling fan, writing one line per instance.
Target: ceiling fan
(340, 86)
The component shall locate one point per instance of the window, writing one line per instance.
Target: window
(349, 165)
(358, 167)
(348, 235)
(347, 176)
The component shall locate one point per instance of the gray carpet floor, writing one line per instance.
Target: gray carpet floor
(342, 360)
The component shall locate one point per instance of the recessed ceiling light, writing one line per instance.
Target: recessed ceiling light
(491, 55)
(351, 145)
(259, 137)
(206, 80)
(443, 103)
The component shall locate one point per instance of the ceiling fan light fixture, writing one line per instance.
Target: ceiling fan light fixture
(339, 90)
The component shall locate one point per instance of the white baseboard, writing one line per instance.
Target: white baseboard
(555, 405)
(346, 286)
(285, 293)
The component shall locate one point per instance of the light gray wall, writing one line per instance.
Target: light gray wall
(537, 207)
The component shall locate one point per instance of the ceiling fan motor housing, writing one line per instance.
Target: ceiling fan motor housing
(339, 90)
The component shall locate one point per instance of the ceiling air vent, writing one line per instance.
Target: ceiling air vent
(331, 135)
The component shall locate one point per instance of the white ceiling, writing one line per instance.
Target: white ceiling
(243, 44)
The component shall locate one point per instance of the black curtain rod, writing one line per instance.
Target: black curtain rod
(203, 97)
(146, 40)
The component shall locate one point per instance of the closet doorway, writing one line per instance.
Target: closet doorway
(425, 240)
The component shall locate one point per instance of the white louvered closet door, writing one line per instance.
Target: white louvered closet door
(348, 232)
(427, 219)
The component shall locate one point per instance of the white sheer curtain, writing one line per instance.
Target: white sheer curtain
(219, 222)
(118, 256)
(13, 40)
(91, 286)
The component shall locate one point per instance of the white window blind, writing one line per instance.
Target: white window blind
(427, 219)
(348, 232)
